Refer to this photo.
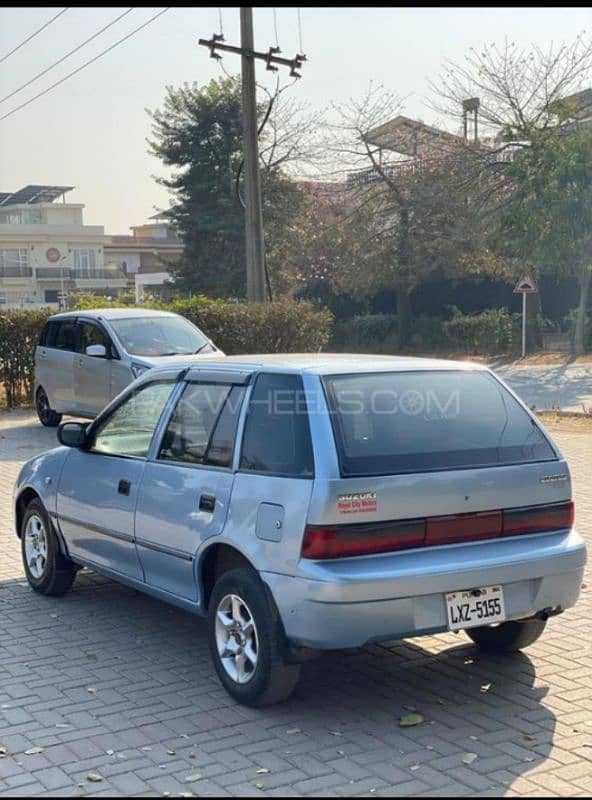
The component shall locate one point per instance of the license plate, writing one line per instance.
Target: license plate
(475, 607)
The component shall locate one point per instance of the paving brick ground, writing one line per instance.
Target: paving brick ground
(107, 680)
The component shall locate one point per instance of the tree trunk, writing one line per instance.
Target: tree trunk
(402, 285)
(585, 279)
(403, 314)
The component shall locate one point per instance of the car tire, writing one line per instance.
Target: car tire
(48, 571)
(244, 623)
(47, 416)
(507, 637)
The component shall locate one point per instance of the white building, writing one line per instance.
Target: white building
(46, 249)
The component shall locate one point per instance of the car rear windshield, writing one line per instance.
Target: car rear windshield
(397, 422)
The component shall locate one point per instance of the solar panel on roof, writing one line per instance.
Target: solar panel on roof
(33, 194)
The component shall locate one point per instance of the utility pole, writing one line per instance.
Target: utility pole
(255, 245)
(253, 208)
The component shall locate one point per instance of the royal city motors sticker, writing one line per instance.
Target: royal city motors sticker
(356, 502)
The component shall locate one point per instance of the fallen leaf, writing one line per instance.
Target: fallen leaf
(33, 751)
(262, 771)
(196, 776)
(259, 786)
(91, 690)
(335, 733)
(468, 758)
(430, 747)
(94, 777)
(110, 752)
(528, 738)
(293, 730)
(146, 749)
(414, 767)
(3, 751)
(62, 725)
(474, 738)
(409, 720)
(486, 687)
(171, 752)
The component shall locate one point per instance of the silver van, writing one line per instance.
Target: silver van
(312, 502)
(86, 358)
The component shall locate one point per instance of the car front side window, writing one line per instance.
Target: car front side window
(129, 429)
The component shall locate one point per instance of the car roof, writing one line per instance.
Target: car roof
(327, 363)
(113, 313)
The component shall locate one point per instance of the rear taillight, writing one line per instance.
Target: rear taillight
(341, 541)
(538, 519)
(463, 528)
(325, 541)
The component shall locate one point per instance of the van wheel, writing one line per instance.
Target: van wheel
(47, 570)
(247, 641)
(507, 637)
(47, 417)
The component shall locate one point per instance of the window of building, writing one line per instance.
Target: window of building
(84, 261)
(51, 296)
(14, 257)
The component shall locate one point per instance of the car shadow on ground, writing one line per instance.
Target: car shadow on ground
(146, 663)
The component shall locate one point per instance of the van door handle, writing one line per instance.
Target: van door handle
(124, 487)
(207, 502)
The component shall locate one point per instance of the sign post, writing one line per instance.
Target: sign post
(526, 285)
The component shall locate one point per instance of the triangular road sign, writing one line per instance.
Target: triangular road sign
(526, 285)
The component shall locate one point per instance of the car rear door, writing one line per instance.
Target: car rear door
(54, 360)
(98, 487)
(185, 491)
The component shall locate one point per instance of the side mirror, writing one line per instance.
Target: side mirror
(73, 434)
(96, 351)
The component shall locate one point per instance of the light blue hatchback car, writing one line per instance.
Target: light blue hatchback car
(310, 502)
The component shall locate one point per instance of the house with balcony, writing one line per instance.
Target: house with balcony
(46, 250)
(146, 255)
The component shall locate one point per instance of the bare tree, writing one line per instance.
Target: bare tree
(423, 217)
(530, 101)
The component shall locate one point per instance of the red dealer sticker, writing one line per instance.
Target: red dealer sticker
(356, 502)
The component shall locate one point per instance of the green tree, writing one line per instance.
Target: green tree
(549, 217)
(198, 133)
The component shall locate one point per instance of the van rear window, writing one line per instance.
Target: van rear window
(397, 422)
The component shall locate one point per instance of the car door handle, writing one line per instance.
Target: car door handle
(124, 487)
(207, 502)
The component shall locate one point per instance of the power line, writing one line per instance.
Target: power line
(277, 44)
(33, 35)
(63, 58)
(86, 63)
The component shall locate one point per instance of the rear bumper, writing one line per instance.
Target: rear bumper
(353, 601)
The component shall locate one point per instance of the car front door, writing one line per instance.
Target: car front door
(92, 374)
(98, 486)
(185, 491)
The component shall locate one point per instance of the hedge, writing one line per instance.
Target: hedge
(493, 331)
(284, 326)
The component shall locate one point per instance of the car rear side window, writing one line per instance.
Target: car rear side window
(276, 439)
(398, 422)
(203, 425)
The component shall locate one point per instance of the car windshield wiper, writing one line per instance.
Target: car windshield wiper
(199, 349)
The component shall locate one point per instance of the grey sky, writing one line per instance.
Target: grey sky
(90, 132)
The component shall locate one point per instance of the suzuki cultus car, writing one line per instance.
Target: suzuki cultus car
(309, 502)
